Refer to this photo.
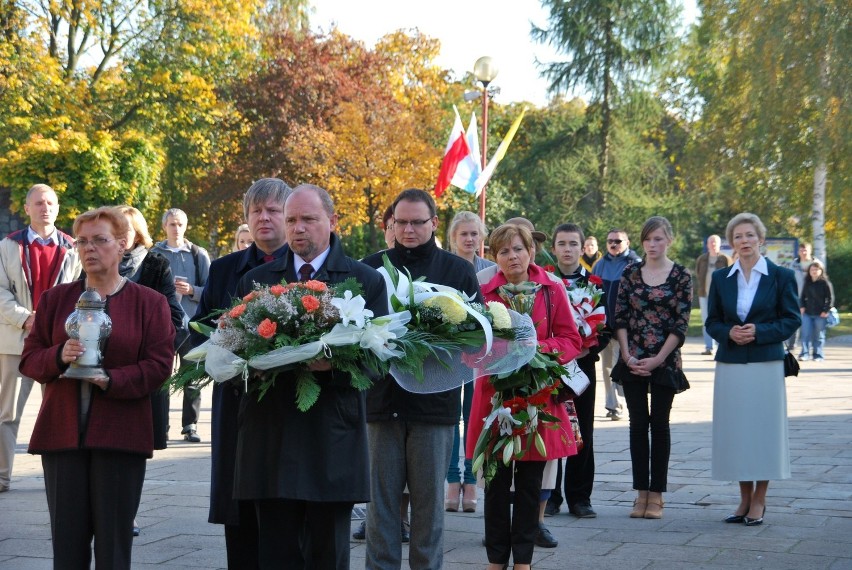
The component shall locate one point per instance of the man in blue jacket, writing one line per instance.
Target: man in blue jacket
(609, 269)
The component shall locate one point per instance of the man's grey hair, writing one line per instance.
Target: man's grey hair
(39, 188)
(174, 213)
(264, 190)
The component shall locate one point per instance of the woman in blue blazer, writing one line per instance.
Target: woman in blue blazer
(752, 309)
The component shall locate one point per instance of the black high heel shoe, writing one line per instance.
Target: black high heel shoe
(755, 522)
(734, 519)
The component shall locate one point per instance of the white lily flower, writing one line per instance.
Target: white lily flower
(376, 337)
(504, 419)
(352, 309)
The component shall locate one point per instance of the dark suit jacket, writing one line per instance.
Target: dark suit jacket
(775, 313)
(319, 455)
(225, 274)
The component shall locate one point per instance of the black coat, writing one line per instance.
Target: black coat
(156, 273)
(319, 455)
(387, 401)
(225, 274)
(817, 297)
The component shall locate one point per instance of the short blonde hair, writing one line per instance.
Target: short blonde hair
(745, 218)
(139, 225)
(117, 220)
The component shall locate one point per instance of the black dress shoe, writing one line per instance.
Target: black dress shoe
(582, 511)
(361, 533)
(755, 522)
(544, 539)
(734, 519)
(136, 530)
(405, 534)
(551, 509)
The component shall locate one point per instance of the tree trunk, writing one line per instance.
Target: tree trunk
(821, 170)
(603, 158)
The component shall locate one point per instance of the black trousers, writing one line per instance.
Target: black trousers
(650, 459)
(579, 473)
(510, 527)
(241, 541)
(92, 494)
(303, 535)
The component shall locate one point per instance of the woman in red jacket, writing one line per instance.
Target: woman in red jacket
(95, 434)
(514, 534)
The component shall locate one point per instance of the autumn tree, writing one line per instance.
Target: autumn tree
(771, 81)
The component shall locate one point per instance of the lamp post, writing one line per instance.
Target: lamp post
(485, 70)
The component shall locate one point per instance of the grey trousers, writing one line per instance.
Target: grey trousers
(417, 454)
(12, 402)
(613, 392)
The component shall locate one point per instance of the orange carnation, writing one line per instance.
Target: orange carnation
(267, 328)
(310, 302)
(277, 290)
(250, 296)
(315, 285)
(237, 311)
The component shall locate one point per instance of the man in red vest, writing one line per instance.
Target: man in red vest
(31, 261)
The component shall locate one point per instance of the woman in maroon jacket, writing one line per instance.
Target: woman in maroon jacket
(95, 435)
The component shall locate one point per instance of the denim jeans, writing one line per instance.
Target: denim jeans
(454, 475)
(813, 334)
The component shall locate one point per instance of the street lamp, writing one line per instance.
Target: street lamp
(485, 70)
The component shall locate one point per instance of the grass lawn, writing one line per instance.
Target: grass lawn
(844, 328)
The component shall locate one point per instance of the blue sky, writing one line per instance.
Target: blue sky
(466, 30)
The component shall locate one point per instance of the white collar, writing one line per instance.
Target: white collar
(316, 262)
(760, 267)
(32, 236)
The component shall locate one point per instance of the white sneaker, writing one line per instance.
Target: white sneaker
(819, 359)
(803, 357)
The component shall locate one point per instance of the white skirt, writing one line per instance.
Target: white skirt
(750, 439)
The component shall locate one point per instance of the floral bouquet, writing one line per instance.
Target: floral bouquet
(449, 336)
(521, 397)
(288, 326)
(589, 314)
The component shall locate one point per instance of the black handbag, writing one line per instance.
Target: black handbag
(791, 365)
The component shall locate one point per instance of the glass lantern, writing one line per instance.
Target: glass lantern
(90, 324)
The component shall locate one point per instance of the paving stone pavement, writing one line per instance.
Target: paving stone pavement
(808, 518)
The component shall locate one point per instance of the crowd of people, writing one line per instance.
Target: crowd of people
(284, 481)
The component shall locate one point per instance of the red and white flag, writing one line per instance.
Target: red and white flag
(457, 151)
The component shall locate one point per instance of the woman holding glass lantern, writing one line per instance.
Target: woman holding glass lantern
(94, 429)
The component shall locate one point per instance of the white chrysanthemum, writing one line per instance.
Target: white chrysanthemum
(500, 314)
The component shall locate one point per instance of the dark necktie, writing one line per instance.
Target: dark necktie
(305, 272)
(268, 258)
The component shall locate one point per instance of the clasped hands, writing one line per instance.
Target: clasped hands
(642, 367)
(743, 334)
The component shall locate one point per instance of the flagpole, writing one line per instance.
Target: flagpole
(485, 70)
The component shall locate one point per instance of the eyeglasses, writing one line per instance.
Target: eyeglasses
(614, 241)
(413, 223)
(97, 242)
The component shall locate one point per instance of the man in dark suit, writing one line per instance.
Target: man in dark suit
(304, 471)
(263, 206)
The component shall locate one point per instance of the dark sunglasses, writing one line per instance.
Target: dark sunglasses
(614, 241)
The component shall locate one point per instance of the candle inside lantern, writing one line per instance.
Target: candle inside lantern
(89, 333)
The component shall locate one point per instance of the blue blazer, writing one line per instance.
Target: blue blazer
(774, 312)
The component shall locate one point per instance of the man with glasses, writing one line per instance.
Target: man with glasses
(32, 260)
(411, 435)
(609, 268)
